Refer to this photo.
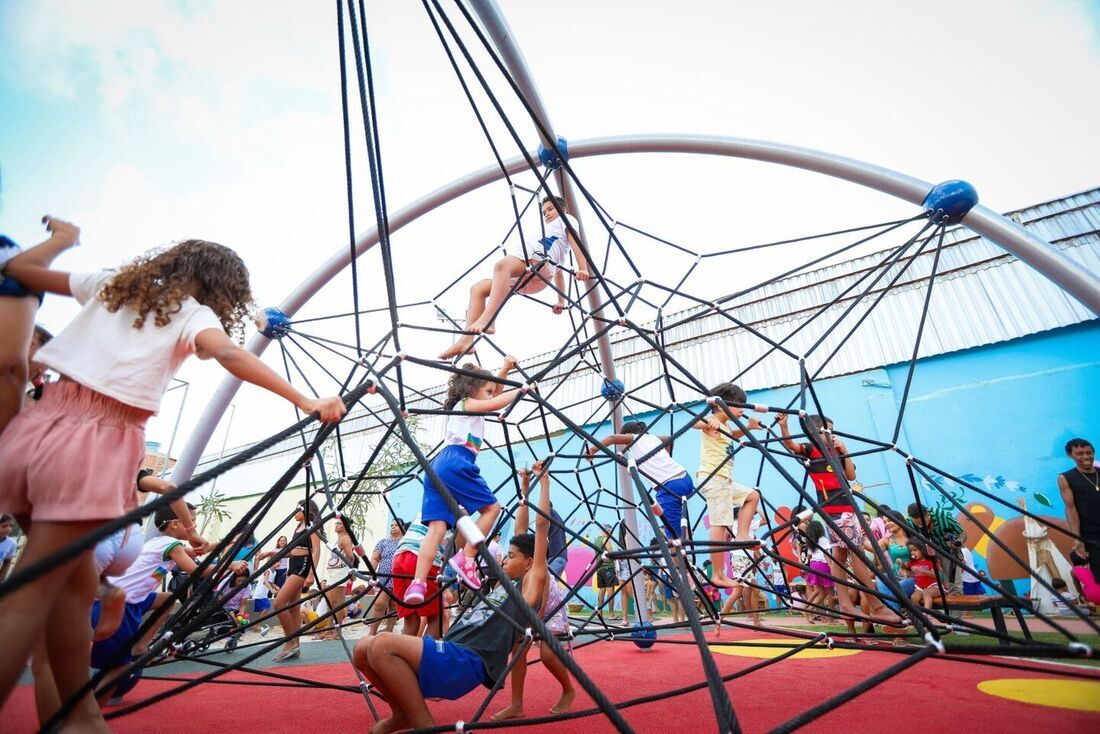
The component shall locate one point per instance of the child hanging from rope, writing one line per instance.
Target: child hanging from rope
(836, 502)
(456, 466)
(406, 670)
(552, 611)
(653, 455)
(527, 277)
(136, 326)
(726, 499)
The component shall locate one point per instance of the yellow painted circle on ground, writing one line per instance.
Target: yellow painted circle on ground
(779, 646)
(1078, 695)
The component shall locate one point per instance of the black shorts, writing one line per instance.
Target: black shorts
(299, 566)
(606, 578)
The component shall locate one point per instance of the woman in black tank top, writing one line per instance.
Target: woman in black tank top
(304, 556)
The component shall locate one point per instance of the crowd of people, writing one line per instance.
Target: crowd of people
(137, 325)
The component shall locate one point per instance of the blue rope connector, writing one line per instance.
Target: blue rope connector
(612, 389)
(552, 158)
(950, 201)
(273, 323)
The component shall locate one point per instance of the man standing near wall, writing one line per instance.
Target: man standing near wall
(1080, 488)
(936, 524)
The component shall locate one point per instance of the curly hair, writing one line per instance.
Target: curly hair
(460, 386)
(158, 281)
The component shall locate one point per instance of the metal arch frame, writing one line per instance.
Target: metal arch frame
(1081, 284)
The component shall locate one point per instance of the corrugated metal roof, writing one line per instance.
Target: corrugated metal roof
(981, 295)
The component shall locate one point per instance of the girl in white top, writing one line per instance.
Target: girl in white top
(68, 464)
(471, 393)
(524, 276)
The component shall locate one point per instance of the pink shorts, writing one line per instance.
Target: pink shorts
(73, 456)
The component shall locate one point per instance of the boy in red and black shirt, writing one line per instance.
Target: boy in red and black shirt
(834, 500)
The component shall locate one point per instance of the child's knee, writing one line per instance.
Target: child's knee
(361, 653)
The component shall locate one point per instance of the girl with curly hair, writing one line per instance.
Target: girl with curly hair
(68, 465)
(471, 393)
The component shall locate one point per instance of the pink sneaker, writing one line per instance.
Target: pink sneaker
(415, 593)
(466, 568)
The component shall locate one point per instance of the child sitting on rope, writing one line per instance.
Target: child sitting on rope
(406, 670)
(527, 277)
(653, 455)
(553, 611)
(456, 466)
(726, 499)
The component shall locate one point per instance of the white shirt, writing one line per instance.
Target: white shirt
(151, 567)
(103, 351)
(658, 468)
(819, 551)
(558, 238)
(464, 430)
(259, 587)
(968, 559)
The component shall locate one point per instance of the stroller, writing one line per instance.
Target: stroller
(222, 623)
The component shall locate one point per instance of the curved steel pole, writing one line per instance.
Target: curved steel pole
(1081, 284)
(498, 30)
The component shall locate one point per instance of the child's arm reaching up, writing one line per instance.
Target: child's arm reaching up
(179, 506)
(534, 581)
(789, 442)
(32, 268)
(241, 363)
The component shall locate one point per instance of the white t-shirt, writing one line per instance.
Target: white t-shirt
(968, 559)
(103, 351)
(151, 567)
(819, 551)
(658, 468)
(464, 430)
(557, 240)
(259, 587)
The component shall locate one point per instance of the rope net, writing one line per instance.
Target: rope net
(639, 300)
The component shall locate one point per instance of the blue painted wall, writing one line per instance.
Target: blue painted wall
(999, 414)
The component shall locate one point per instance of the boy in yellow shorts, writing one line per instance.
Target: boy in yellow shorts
(726, 499)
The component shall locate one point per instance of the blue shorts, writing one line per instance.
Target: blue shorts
(11, 286)
(973, 588)
(103, 652)
(261, 605)
(669, 496)
(457, 469)
(448, 670)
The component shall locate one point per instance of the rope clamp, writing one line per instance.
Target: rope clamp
(528, 634)
(460, 726)
(1080, 648)
(934, 643)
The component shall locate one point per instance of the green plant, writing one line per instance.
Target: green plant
(214, 506)
(394, 460)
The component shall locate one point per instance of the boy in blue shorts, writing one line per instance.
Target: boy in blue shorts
(653, 454)
(407, 670)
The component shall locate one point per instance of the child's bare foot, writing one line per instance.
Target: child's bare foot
(459, 348)
(480, 325)
(394, 723)
(564, 702)
(722, 581)
(515, 711)
(112, 605)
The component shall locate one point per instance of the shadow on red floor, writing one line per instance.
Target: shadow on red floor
(934, 695)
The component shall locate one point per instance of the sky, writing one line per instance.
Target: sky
(148, 123)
